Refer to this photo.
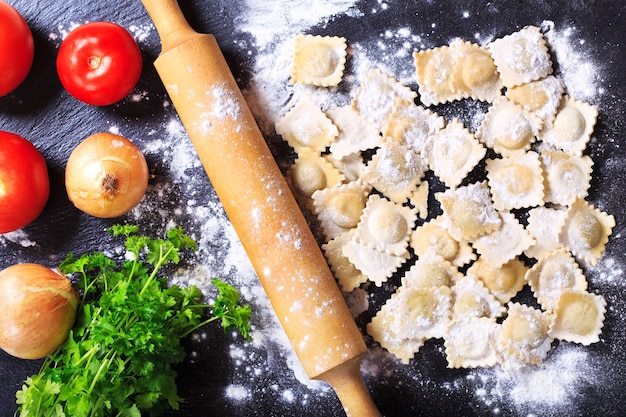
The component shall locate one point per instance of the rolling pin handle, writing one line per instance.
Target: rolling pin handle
(347, 383)
(170, 22)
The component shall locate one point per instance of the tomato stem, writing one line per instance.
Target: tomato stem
(94, 62)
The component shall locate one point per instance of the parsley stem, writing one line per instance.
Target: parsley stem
(88, 355)
(157, 266)
(194, 328)
(103, 365)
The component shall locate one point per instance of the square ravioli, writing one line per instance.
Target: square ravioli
(472, 343)
(412, 125)
(454, 153)
(554, 274)
(305, 126)
(385, 226)
(541, 97)
(318, 60)
(508, 129)
(396, 171)
(469, 211)
(572, 126)
(579, 317)
(521, 57)
(524, 334)
(516, 182)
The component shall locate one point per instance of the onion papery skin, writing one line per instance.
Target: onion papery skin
(37, 310)
(106, 175)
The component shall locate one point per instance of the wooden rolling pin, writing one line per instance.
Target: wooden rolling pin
(261, 207)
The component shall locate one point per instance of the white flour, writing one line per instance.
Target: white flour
(272, 20)
(18, 237)
(582, 77)
(544, 390)
(273, 24)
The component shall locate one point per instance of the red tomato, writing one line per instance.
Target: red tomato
(24, 183)
(16, 49)
(99, 63)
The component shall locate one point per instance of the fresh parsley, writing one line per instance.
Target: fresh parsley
(118, 359)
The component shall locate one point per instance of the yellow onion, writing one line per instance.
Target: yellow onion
(37, 310)
(106, 175)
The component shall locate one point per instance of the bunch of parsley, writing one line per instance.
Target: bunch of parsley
(118, 359)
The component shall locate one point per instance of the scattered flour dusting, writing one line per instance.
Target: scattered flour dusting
(568, 372)
(141, 32)
(608, 272)
(288, 17)
(581, 76)
(553, 386)
(546, 390)
(62, 32)
(238, 392)
(269, 94)
(19, 237)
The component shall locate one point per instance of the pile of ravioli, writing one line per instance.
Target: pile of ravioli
(362, 170)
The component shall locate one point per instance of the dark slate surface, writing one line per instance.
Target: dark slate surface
(43, 112)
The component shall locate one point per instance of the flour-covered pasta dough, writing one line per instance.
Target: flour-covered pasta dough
(347, 275)
(396, 171)
(305, 126)
(454, 153)
(355, 133)
(567, 176)
(516, 182)
(376, 265)
(433, 236)
(586, 231)
(524, 334)
(388, 332)
(310, 173)
(385, 225)
(469, 211)
(505, 243)
(411, 125)
(318, 60)
(521, 57)
(508, 129)
(472, 299)
(431, 270)
(339, 208)
(552, 275)
(472, 343)
(541, 97)
(544, 225)
(504, 281)
(572, 126)
(456, 71)
(578, 317)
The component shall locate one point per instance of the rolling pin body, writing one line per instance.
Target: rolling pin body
(261, 207)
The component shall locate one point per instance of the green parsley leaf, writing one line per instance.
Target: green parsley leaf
(227, 307)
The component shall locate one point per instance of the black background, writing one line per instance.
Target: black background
(42, 111)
